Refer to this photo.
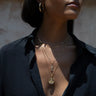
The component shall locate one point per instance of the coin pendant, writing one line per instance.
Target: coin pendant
(51, 81)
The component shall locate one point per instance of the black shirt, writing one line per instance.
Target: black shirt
(19, 74)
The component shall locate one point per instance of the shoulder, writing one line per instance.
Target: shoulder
(91, 49)
(16, 46)
(15, 53)
(90, 52)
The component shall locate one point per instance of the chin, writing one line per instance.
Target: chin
(71, 15)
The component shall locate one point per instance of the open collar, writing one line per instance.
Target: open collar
(30, 52)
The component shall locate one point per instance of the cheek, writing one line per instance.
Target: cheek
(55, 5)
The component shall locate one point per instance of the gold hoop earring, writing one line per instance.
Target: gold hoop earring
(40, 7)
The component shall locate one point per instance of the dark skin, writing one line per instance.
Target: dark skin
(54, 29)
(64, 58)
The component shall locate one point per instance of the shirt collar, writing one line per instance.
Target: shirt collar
(80, 46)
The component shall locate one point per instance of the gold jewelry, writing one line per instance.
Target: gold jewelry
(52, 71)
(67, 42)
(41, 7)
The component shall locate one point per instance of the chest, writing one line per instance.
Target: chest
(62, 64)
(60, 82)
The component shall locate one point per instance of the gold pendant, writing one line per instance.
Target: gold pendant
(51, 81)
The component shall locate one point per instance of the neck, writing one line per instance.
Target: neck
(53, 30)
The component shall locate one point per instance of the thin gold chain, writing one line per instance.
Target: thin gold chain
(52, 63)
(67, 42)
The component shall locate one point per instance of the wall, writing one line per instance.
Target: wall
(13, 28)
(11, 25)
(85, 25)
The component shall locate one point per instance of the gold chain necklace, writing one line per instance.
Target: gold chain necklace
(68, 41)
(52, 71)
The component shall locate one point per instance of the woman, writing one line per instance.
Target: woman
(51, 61)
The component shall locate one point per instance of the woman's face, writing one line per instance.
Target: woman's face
(63, 9)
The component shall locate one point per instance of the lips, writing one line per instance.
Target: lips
(74, 4)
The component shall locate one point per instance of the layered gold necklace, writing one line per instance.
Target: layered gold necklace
(52, 68)
(67, 42)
